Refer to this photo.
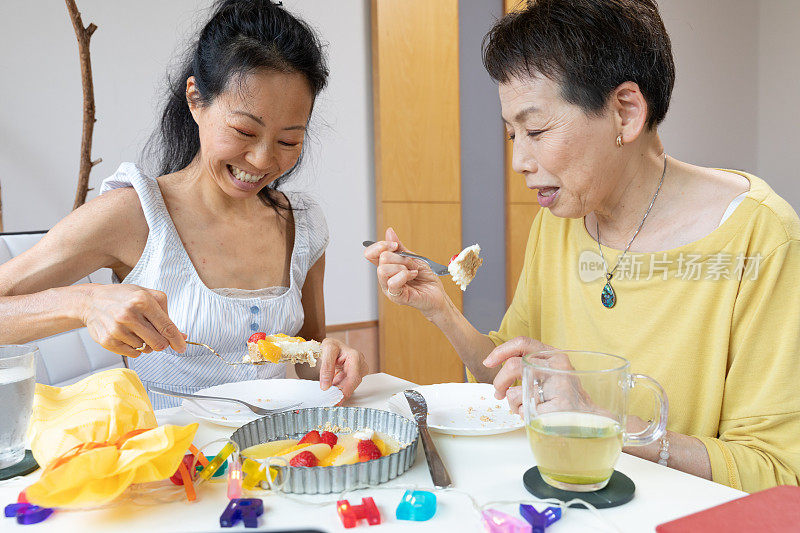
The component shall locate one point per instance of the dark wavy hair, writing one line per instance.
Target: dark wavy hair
(241, 37)
(589, 47)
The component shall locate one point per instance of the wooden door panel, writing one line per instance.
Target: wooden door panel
(417, 103)
(511, 5)
(417, 166)
(520, 217)
(411, 347)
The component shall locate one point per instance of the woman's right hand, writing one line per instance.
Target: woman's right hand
(123, 318)
(405, 280)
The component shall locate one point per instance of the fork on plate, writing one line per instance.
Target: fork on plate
(256, 409)
(438, 268)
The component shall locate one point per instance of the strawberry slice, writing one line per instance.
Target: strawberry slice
(257, 336)
(304, 459)
(329, 438)
(367, 450)
(312, 437)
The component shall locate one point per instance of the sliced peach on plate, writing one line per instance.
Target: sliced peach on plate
(380, 444)
(336, 451)
(390, 444)
(268, 449)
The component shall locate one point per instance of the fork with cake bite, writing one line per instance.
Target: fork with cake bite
(296, 352)
(438, 268)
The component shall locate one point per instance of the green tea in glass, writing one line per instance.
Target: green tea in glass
(575, 407)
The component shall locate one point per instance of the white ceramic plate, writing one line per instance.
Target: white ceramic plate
(266, 393)
(461, 409)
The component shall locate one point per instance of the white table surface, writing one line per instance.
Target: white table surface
(489, 468)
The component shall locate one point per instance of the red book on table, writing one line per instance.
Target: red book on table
(775, 510)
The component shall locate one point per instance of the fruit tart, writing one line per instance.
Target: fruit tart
(327, 449)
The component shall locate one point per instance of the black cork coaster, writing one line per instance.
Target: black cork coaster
(619, 490)
(23, 468)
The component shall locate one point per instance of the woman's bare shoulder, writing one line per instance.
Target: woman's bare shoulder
(118, 198)
(112, 224)
(119, 208)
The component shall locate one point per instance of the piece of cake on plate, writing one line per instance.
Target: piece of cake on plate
(280, 348)
(464, 265)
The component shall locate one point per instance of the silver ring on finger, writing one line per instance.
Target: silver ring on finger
(390, 293)
(141, 348)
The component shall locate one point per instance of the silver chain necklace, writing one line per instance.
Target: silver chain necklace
(608, 297)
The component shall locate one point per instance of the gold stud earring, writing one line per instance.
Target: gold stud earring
(619, 141)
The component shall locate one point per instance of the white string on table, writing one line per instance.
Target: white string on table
(478, 508)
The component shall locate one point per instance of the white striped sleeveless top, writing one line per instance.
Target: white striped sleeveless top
(224, 323)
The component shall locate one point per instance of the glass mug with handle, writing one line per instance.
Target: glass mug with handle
(17, 384)
(575, 405)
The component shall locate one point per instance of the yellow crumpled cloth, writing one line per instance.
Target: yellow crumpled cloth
(81, 436)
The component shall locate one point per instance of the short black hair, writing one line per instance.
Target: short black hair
(589, 47)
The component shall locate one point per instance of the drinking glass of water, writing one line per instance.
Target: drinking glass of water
(17, 383)
(576, 406)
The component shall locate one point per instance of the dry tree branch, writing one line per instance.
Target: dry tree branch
(83, 35)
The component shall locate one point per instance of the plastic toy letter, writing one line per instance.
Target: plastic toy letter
(499, 522)
(27, 514)
(245, 509)
(351, 514)
(417, 506)
(539, 521)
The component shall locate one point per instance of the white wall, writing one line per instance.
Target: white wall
(779, 97)
(40, 116)
(340, 166)
(737, 93)
(712, 120)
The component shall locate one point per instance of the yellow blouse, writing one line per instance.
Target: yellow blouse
(716, 322)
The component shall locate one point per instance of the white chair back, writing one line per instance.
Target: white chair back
(70, 356)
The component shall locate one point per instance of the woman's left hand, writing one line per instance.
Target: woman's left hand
(341, 366)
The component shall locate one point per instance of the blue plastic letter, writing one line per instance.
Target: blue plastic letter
(417, 506)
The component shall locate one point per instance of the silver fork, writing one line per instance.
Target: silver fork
(212, 350)
(438, 268)
(257, 410)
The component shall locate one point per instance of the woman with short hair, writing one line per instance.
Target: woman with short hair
(696, 268)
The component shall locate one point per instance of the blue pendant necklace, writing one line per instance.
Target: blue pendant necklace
(608, 297)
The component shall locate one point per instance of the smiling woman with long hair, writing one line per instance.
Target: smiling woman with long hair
(211, 250)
